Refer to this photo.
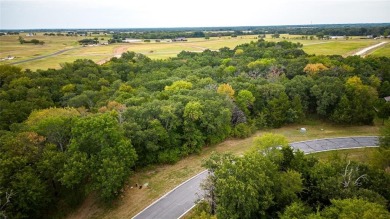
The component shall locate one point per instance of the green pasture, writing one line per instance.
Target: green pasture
(10, 46)
(338, 47)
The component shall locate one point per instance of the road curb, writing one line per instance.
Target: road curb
(171, 192)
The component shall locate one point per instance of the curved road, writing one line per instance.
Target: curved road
(181, 199)
(44, 56)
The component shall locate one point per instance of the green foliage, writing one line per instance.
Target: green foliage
(99, 151)
(242, 130)
(170, 108)
(226, 89)
(381, 158)
(296, 210)
(177, 85)
(245, 100)
(355, 208)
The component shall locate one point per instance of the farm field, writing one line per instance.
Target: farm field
(163, 178)
(9, 46)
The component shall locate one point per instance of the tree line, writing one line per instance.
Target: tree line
(86, 127)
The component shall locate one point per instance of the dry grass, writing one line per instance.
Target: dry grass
(163, 178)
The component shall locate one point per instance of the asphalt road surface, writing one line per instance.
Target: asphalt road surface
(180, 200)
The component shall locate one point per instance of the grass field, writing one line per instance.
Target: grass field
(338, 47)
(383, 51)
(163, 178)
(9, 45)
(361, 154)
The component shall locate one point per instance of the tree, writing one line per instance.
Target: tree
(21, 40)
(313, 69)
(178, 85)
(251, 185)
(278, 111)
(381, 158)
(327, 92)
(384, 111)
(226, 89)
(297, 113)
(362, 99)
(193, 136)
(54, 124)
(243, 187)
(300, 86)
(245, 100)
(296, 210)
(356, 209)
(99, 151)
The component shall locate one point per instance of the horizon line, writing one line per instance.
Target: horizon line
(189, 27)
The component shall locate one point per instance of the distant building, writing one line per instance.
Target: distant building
(337, 37)
(130, 40)
(179, 39)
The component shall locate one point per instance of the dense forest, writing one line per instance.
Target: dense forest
(85, 127)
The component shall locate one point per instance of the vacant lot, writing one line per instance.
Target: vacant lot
(163, 178)
(9, 45)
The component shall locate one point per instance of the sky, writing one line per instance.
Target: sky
(45, 14)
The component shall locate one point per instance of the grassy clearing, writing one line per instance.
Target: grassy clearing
(383, 51)
(338, 47)
(361, 154)
(163, 178)
(9, 45)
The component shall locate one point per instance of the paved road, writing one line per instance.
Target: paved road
(44, 56)
(180, 200)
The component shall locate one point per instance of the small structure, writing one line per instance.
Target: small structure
(130, 40)
(179, 39)
(303, 130)
(387, 98)
(337, 37)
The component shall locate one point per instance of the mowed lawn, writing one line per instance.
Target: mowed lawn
(163, 178)
(383, 51)
(338, 47)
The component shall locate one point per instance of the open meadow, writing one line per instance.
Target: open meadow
(10, 46)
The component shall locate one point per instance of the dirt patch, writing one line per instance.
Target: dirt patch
(116, 53)
(88, 209)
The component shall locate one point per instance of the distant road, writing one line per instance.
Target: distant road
(181, 199)
(44, 56)
(365, 50)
